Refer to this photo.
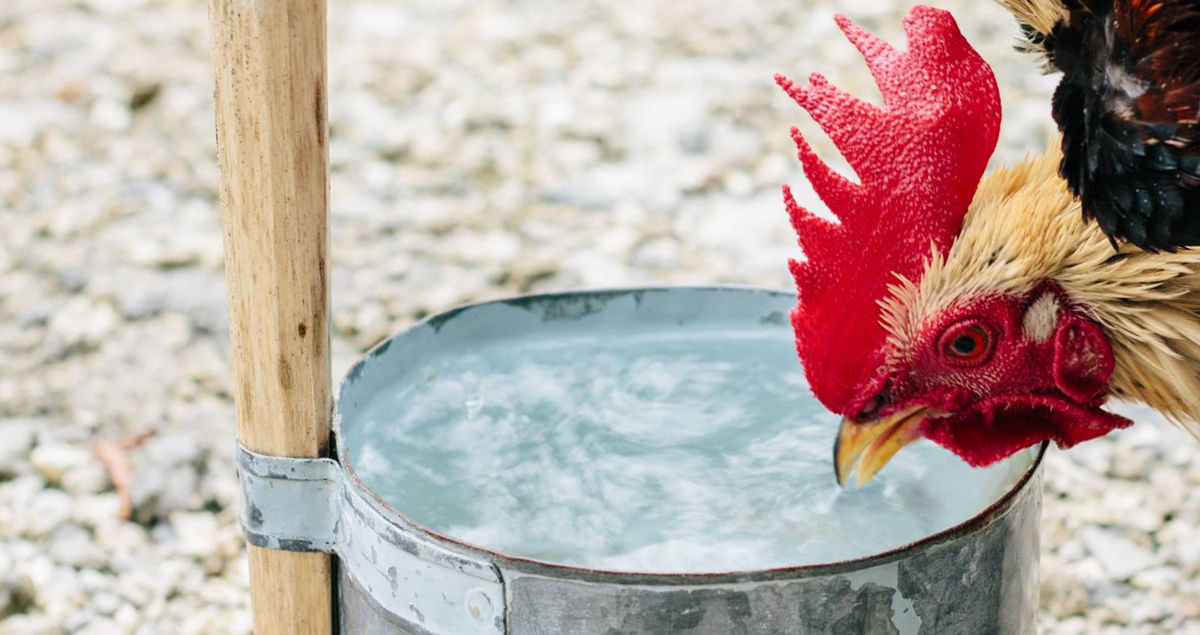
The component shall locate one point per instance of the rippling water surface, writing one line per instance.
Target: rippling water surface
(675, 450)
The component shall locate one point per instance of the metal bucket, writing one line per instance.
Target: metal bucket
(395, 576)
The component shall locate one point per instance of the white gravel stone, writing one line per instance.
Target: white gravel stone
(1119, 556)
(31, 625)
(106, 603)
(16, 439)
(81, 322)
(47, 509)
(54, 461)
(197, 533)
(100, 626)
(72, 545)
(1161, 580)
(88, 478)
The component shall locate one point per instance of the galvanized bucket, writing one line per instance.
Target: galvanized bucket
(395, 576)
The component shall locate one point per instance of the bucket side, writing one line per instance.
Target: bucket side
(980, 580)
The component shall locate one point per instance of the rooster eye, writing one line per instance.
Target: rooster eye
(967, 343)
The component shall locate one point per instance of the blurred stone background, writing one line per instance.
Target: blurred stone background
(478, 149)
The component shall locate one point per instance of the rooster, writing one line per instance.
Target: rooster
(983, 313)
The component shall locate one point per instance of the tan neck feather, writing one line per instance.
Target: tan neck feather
(1024, 227)
(1039, 14)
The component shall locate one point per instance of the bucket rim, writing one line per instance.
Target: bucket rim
(995, 510)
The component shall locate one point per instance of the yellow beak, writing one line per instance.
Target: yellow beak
(873, 443)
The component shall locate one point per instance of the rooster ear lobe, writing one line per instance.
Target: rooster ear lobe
(1083, 359)
(1041, 316)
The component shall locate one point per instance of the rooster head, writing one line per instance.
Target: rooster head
(896, 338)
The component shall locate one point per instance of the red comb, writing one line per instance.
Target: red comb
(919, 159)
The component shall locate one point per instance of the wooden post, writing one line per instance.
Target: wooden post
(269, 60)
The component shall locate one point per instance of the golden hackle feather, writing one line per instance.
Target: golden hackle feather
(1024, 227)
(1042, 15)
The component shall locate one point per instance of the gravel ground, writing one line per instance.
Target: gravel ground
(478, 149)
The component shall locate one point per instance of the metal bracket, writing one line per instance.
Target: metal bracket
(288, 503)
(295, 504)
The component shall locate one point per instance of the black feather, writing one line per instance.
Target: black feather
(1128, 107)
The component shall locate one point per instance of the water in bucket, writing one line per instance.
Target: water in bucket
(657, 450)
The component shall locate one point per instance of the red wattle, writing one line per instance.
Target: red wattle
(994, 429)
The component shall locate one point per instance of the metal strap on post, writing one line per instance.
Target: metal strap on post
(289, 504)
(306, 505)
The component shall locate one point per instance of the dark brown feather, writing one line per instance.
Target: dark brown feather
(1128, 106)
(1163, 37)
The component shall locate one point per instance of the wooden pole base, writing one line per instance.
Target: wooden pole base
(287, 587)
